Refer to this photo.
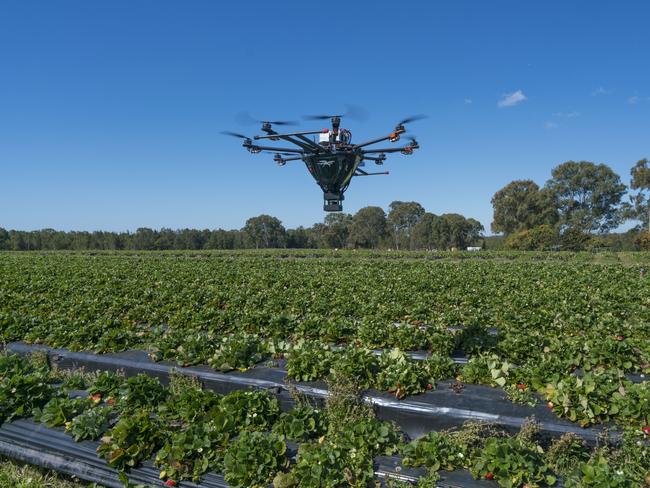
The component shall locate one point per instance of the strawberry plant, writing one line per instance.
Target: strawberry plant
(300, 424)
(328, 464)
(612, 352)
(409, 337)
(373, 333)
(90, 424)
(436, 451)
(252, 410)
(438, 367)
(186, 347)
(400, 375)
(23, 388)
(586, 400)
(487, 369)
(184, 406)
(379, 437)
(309, 361)
(189, 453)
(631, 403)
(598, 473)
(358, 363)
(238, 351)
(253, 459)
(139, 391)
(135, 438)
(512, 463)
(106, 384)
(58, 411)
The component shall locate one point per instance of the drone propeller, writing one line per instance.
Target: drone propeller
(234, 134)
(408, 120)
(353, 112)
(411, 138)
(245, 118)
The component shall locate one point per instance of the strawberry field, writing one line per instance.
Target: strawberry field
(562, 337)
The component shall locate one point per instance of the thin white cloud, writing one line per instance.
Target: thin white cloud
(512, 99)
(550, 125)
(468, 101)
(634, 99)
(567, 115)
(601, 90)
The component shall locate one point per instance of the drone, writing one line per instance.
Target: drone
(331, 158)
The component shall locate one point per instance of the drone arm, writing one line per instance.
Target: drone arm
(392, 136)
(306, 147)
(360, 172)
(301, 145)
(278, 149)
(291, 134)
(312, 144)
(388, 150)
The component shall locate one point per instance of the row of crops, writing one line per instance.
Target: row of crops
(188, 432)
(571, 333)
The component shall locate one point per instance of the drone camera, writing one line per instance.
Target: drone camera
(333, 202)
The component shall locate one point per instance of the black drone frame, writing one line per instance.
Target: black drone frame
(333, 161)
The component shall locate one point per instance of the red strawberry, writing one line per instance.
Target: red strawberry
(646, 429)
(521, 386)
(618, 337)
(96, 398)
(489, 475)
(170, 483)
(550, 404)
(429, 386)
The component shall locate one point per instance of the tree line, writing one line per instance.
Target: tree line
(406, 225)
(576, 208)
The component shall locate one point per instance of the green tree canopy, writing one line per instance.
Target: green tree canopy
(265, 231)
(587, 195)
(522, 205)
(402, 218)
(336, 230)
(368, 228)
(540, 238)
(461, 232)
(640, 208)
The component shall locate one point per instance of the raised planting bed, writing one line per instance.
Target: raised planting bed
(442, 408)
(52, 448)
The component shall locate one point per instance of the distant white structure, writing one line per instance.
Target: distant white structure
(473, 248)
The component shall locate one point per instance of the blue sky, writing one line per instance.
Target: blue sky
(110, 112)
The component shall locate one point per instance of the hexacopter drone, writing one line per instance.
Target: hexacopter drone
(332, 160)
